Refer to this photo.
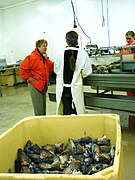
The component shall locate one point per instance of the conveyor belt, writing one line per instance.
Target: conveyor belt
(109, 101)
(115, 82)
(110, 82)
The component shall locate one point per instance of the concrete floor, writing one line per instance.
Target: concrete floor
(15, 104)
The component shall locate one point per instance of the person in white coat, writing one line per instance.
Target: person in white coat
(71, 65)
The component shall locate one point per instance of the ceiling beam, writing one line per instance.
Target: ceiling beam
(17, 4)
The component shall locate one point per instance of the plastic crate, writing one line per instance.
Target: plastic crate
(56, 129)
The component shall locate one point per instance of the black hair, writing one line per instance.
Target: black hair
(72, 34)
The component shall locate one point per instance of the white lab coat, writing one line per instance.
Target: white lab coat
(83, 69)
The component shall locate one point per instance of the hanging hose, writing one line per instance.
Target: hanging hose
(76, 19)
(103, 18)
(108, 28)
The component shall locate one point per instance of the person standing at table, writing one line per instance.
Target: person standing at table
(130, 39)
(71, 65)
(36, 69)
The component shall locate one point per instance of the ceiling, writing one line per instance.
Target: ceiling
(8, 3)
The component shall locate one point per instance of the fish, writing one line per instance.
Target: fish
(71, 146)
(23, 159)
(102, 141)
(83, 156)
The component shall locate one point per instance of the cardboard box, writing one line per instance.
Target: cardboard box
(55, 129)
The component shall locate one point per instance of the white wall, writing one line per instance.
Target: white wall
(2, 44)
(25, 24)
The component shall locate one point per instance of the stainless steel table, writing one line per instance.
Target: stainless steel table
(103, 83)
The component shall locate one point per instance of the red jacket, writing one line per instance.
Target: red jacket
(34, 65)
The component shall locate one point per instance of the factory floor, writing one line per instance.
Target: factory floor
(15, 104)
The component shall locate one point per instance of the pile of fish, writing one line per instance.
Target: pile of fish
(84, 156)
(105, 68)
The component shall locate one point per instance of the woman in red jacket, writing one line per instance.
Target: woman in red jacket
(36, 69)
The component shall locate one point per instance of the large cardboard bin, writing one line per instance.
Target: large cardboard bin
(56, 129)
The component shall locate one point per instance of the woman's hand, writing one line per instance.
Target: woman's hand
(45, 55)
(31, 79)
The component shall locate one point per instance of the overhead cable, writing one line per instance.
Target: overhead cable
(76, 19)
